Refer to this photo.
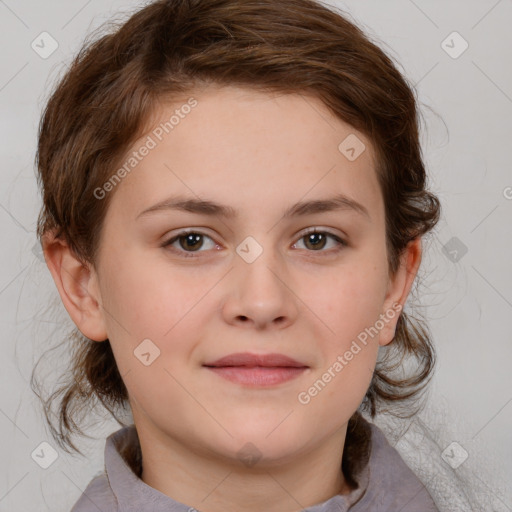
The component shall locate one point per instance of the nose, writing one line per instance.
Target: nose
(260, 295)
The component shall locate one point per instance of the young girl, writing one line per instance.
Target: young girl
(234, 205)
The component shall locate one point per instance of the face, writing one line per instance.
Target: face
(183, 284)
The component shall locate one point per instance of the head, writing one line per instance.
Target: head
(255, 106)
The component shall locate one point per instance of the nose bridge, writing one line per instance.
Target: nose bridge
(257, 265)
(259, 292)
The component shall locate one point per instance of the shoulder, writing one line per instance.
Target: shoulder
(98, 495)
(392, 485)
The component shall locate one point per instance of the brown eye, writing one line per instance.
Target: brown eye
(189, 242)
(316, 241)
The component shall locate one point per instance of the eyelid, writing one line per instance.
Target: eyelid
(320, 229)
(341, 239)
(184, 232)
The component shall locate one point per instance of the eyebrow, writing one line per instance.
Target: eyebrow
(338, 202)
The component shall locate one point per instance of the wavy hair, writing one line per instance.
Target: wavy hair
(171, 47)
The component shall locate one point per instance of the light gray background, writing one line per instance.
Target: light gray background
(467, 104)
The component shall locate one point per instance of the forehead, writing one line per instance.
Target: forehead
(246, 149)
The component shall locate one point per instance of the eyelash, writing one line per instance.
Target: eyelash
(192, 254)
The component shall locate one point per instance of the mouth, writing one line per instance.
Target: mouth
(257, 370)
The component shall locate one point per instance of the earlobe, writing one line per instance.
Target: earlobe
(399, 288)
(75, 282)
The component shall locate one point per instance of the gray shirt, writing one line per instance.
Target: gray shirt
(386, 484)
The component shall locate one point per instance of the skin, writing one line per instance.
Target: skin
(259, 154)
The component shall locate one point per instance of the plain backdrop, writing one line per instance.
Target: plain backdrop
(458, 56)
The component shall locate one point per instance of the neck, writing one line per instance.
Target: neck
(215, 484)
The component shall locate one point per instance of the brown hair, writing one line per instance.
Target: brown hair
(171, 47)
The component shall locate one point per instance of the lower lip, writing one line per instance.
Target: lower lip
(257, 375)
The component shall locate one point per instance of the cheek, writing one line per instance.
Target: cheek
(353, 300)
(148, 299)
(338, 388)
(155, 302)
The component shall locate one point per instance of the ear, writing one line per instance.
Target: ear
(77, 284)
(398, 290)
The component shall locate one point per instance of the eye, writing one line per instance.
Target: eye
(316, 240)
(189, 242)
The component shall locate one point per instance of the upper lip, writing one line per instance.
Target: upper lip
(247, 359)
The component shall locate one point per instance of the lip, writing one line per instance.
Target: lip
(257, 370)
(251, 360)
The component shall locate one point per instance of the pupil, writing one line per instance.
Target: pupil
(311, 239)
(194, 240)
